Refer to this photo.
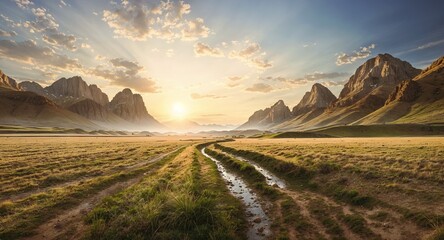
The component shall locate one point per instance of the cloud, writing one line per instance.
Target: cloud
(424, 46)
(260, 87)
(333, 83)
(23, 3)
(234, 81)
(63, 4)
(169, 53)
(125, 73)
(344, 58)
(201, 96)
(4, 33)
(194, 30)
(246, 51)
(139, 20)
(43, 21)
(61, 39)
(320, 75)
(29, 52)
(251, 54)
(235, 78)
(310, 78)
(201, 49)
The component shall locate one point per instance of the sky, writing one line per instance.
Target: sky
(212, 61)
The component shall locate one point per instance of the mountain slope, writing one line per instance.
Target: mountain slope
(31, 109)
(7, 82)
(131, 107)
(66, 90)
(266, 118)
(311, 106)
(366, 91)
(420, 100)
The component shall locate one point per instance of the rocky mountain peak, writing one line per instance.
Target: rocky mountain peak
(277, 113)
(378, 77)
(319, 97)
(78, 88)
(8, 82)
(130, 107)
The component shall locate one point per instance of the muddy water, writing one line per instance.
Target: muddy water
(271, 179)
(258, 220)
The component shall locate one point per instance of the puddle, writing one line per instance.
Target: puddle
(270, 177)
(257, 219)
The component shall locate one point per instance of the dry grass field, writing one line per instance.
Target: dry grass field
(392, 187)
(166, 188)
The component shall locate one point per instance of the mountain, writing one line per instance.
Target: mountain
(33, 87)
(30, 109)
(419, 100)
(312, 104)
(266, 118)
(76, 88)
(318, 97)
(7, 82)
(131, 107)
(366, 91)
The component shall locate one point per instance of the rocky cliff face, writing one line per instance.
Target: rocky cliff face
(7, 82)
(33, 87)
(77, 88)
(90, 109)
(406, 91)
(273, 115)
(130, 107)
(319, 97)
(377, 77)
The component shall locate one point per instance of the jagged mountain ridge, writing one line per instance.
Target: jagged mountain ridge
(88, 101)
(268, 117)
(384, 89)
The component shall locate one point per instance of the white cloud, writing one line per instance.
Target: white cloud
(125, 73)
(246, 51)
(260, 87)
(194, 30)
(201, 96)
(24, 3)
(169, 53)
(43, 21)
(61, 39)
(234, 81)
(4, 33)
(140, 20)
(201, 49)
(310, 78)
(30, 53)
(363, 52)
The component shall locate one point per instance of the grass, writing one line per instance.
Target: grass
(176, 202)
(401, 175)
(43, 185)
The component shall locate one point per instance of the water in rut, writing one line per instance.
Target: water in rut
(271, 179)
(258, 220)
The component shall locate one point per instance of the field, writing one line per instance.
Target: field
(190, 188)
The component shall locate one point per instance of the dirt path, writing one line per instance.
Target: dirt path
(258, 220)
(393, 227)
(20, 196)
(70, 224)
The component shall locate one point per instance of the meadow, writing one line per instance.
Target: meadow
(180, 188)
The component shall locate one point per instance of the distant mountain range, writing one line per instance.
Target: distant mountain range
(72, 103)
(383, 90)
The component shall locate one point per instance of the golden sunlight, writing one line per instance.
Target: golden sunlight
(178, 111)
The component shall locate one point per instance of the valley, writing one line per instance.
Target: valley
(182, 187)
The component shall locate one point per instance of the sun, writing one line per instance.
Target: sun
(178, 111)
